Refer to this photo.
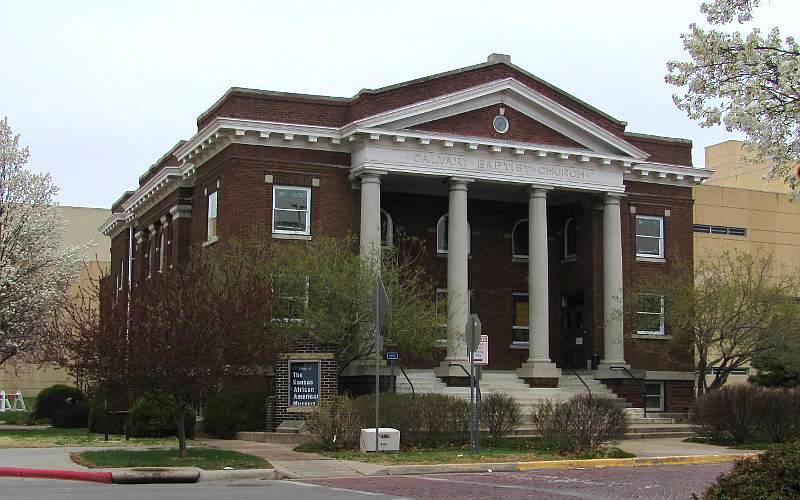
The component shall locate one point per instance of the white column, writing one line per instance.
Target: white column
(538, 282)
(457, 280)
(613, 341)
(538, 366)
(370, 236)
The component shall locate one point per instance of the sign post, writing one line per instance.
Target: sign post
(380, 305)
(392, 356)
(473, 334)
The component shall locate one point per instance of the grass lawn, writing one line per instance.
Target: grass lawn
(204, 458)
(47, 438)
(749, 445)
(504, 450)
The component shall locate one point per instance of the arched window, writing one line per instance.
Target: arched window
(441, 236)
(519, 240)
(387, 229)
(570, 239)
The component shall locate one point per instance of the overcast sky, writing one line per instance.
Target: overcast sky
(100, 90)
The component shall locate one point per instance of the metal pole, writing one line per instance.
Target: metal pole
(377, 362)
(471, 400)
(391, 376)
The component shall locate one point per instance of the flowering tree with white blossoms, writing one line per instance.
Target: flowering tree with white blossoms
(749, 83)
(35, 273)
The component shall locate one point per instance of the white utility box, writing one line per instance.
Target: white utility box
(388, 439)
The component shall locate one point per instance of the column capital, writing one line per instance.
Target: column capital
(459, 183)
(371, 174)
(164, 220)
(151, 228)
(179, 211)
(613, 198)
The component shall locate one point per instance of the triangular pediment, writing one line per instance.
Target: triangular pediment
(533, 117)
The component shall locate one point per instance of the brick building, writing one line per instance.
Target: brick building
(463, 160)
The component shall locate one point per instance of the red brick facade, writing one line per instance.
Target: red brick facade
(243, 175)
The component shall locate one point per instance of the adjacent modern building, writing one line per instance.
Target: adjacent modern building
(737, 209)
(81, 225)
(539, 211)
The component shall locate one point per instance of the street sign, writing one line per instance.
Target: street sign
(481, 354)
(473, 331)
(392, 356)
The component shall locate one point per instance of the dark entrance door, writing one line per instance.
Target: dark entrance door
(574, 343)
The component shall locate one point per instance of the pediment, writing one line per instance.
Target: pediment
(469, 113)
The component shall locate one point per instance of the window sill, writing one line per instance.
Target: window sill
(651, 336)
(519, 259)
(654, 260)
(567, 260)
(444, 255)
(285, 236)
(520, 346)
(210, 241)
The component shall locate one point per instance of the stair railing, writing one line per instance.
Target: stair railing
(574, 371)
(407, 379)
(639, 381)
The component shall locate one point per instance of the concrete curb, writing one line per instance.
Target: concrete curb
(229, 475)
(561, 464)
(155, 476)
(69, 475)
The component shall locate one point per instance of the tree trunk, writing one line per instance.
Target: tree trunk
(180, 411)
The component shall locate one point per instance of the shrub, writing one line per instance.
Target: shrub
(71, 415)
(54, 397)
(334, 424)
(581, 423)
(729, 412)
(14, 417)
(500, 414)
(777, 415)
(773, 474)
(153, 416)
(98, 419)
(422, 419)
(233, 410)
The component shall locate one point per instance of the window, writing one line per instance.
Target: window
(654, 396)
(211, 229)
(519, 318)
(649, 236)
(169, 245)
(729, 231)
(162, 248)
(291, 210)
(387, 229)
(441, 236)
(519, 240)
(650, 314)
(292, 298)
(570, 239)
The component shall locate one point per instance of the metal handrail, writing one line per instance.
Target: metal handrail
(582, 382)
(641, 384)
(413, 393)
(477, 387)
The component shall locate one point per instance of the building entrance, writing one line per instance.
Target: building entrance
(574, 341)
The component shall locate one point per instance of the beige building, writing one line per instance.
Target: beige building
(737, 209)
(81, 229)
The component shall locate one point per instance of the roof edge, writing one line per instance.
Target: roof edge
(663, 138)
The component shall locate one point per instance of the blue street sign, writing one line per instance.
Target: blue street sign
(392, 356)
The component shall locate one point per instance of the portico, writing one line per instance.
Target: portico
(469, 171)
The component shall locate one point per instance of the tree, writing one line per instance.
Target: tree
(187, 330)
(324, 288)
(731, 309)
(34, 273)
(779, 368)
(748, 83)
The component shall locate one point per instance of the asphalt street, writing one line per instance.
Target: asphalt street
(665, 482)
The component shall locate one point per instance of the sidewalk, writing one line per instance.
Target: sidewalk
(668, 447)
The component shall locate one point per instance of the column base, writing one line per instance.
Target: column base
(540, 373)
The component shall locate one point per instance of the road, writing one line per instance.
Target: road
(666, 482)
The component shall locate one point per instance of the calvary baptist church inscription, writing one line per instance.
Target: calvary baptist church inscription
(503, 166)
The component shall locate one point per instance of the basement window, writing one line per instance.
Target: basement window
(654, 396)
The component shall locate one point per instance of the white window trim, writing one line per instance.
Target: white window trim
(515, 328)
(513, 232)
(209, 236)
(161, 251)
(662, 330)
(439, 251)
(307, 190)
(660, 396)
(389, 236)
(569, 257)
(660, 237)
